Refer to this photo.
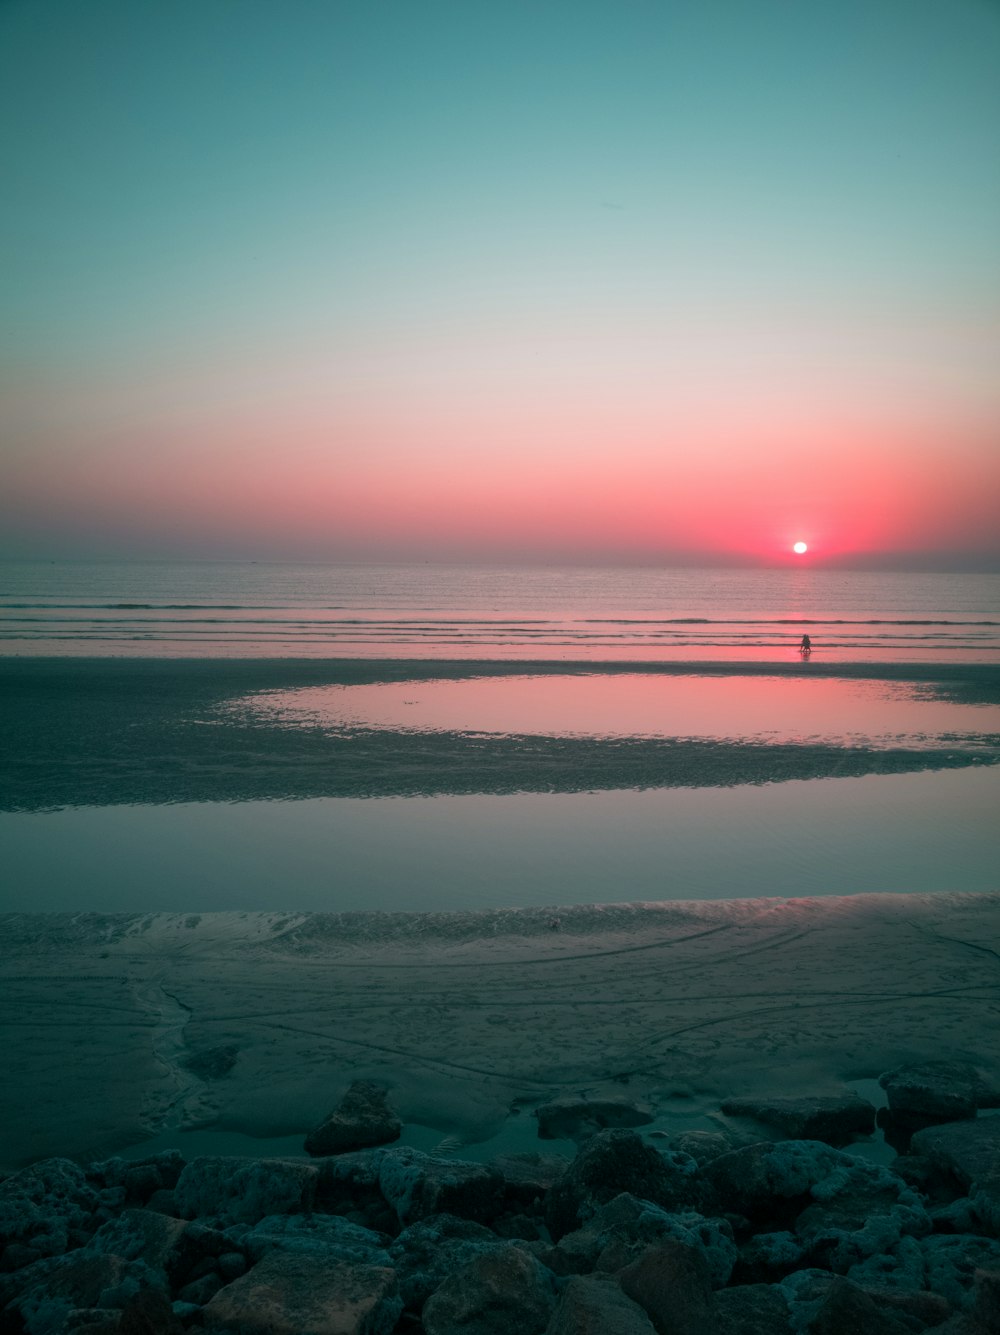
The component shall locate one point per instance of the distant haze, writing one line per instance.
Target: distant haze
(680, 281)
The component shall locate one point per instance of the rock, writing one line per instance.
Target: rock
(528, 1177)
(142, 1235)
(970, 1150)
(704, 1146)
(861, 1210)
(619, 1232)
(772, 1181)
(834, 1119)
(597, 1306)
(243, 1190)
(140, 1177)
(323, 1236)
(362, 1118)
(417, 1185)
(951, 1261)
(578, 1119)
(753, 1309)
(426, 1253)
(936, 1091)
(42, 1206)
(613, 1162)
(768, 1257)
(493, 1294)
(201, 1290)
(671, 1283)
(298, 1294)
(48, 1292)
(232, 1265)
(846, 1308)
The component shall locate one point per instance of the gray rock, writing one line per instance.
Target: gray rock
(202, 1289)
(295, 1294)
(861, 1211)
(941, 1091)
(774, 1178)
(320, 1235)
(613, 1162)
(671, 1283)
(597, 1306)
(951, 1261)
(527, 1177)
(144, 1235)
(243, 1190)
(846, 1308)
(362, 1119)
(44, 1205)
(578, 1119)
(753, 1309)
(45, 1294)
(970, 1150)
(704, 1146)
(493, 1294)
(417, 1185)
(426, 1253)
(619, 1232)
(835, 1119)
(140, 1177)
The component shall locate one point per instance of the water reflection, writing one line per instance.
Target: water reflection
(766, 709)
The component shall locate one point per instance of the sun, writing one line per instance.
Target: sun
(799, 548)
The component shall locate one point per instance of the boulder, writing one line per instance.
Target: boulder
(619, 1232)
(951, 1261)
(417, 1185)
(326, 1236)
(579, 1119)
(242, 1190)
(671, 1283)
(527, 1177)
(847, 1308)
(704, 1146)
(969, 1150)
(596, 1306)
(613, 1162)
(41, 1299)
(362, 1119)
(493, 1294)
(143, 1235)
(772, 1181)
(298, 1294)
(427, 1252)
(139, 1178)
(860, 1211)
(753, 1309)
(936, 1091)
(48, 1207)
(836, 1119)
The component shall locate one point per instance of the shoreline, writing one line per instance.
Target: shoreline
(470, 1019)
(104, 732)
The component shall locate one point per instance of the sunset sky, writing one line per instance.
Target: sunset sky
(672, 280)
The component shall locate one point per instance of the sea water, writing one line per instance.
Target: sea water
(890, 832)
(249, 609)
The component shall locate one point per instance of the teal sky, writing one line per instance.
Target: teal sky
(472, 278)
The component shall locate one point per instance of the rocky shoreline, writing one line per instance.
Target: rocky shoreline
(704, 1233)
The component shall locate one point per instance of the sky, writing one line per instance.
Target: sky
(574, 280)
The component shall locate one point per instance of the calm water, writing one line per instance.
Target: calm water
(253, 610)
(902, 832)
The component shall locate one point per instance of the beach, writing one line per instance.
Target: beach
(471, 1020)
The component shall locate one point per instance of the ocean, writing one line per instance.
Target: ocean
(233, 610)
(198, 737)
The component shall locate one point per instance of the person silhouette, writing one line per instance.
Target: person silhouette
(806, 648)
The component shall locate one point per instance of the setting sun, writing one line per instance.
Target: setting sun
(800, 548)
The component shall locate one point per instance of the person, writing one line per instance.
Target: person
(806, 646)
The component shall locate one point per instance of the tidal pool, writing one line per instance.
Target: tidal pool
(895, 833)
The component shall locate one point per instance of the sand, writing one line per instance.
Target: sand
(473, 1018)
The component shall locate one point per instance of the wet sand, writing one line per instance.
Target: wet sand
(101, 732)
(118, 1028)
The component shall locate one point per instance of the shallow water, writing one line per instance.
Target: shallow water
(894, 833)
(760, 709)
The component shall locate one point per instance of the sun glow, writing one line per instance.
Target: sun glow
(800, 548)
